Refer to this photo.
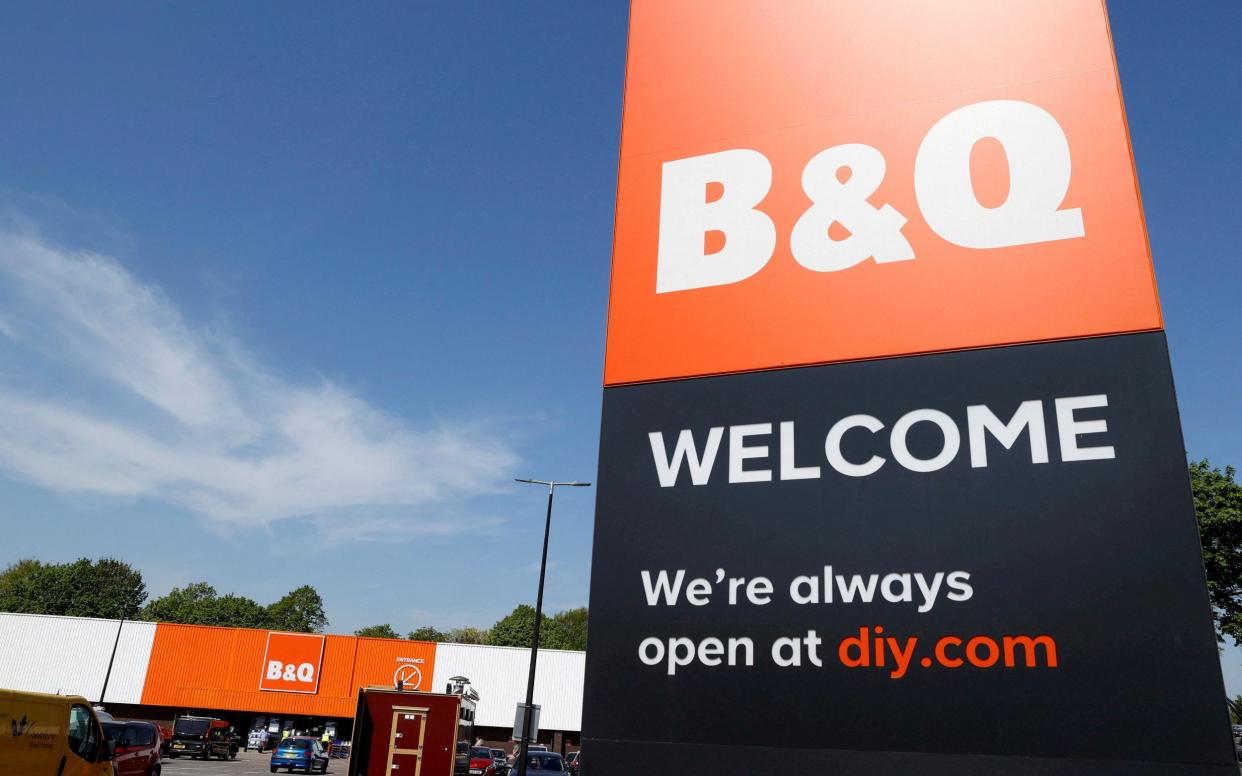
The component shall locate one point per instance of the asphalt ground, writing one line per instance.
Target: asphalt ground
(246, 764)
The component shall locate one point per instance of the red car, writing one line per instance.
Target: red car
(481, 762)
(137, 747)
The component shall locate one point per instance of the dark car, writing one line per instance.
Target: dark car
(502, 762)
(204, 737)
(543, 764)
(300, 752)
(136, 747)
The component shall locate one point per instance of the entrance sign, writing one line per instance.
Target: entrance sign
(924, 506)
(292, 662)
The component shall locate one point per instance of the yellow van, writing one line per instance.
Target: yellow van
(51, 735)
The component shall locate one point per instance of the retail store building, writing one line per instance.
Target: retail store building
(281, 682)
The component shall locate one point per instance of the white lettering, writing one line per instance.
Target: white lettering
(952, 440)
(1068, 429)
(739, 453)
(686, 217)
(1039, 177)
(700, 468)
(832, 446)
(1030, 414)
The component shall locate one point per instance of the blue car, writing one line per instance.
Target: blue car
(543, 764)
(301, 753)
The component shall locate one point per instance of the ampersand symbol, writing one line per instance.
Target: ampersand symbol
(874, 232)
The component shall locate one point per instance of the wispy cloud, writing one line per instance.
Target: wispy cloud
(106, 388)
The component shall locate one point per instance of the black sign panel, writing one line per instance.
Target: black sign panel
(988, 558)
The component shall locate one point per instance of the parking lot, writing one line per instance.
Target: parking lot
(246, 764)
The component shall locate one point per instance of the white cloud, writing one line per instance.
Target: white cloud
(110, 390)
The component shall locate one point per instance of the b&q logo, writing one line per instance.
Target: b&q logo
(292, 662)
(838, 181)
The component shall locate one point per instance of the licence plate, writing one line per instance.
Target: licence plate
(178, 746)
(476, 770)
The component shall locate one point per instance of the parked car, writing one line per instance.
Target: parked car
(204, 737)
(544, 763)
(52, 734)
(136, 746)
(502, 762)
(481, 761)
(301, 752)
(571, 762)
(166, 734)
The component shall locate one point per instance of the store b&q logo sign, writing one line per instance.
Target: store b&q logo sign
(839, 182)
(292, 662)
(877, 184)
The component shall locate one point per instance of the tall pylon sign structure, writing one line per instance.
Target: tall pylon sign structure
(891, 474)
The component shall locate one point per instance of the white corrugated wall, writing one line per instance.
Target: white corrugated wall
(69, 655)
(498, 674)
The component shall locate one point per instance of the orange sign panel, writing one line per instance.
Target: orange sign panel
(384, 662)
(203, 667)
(813, 181)
(292, 662)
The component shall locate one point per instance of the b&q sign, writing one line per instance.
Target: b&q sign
(812, 181)
(292, 662)
(924, 507)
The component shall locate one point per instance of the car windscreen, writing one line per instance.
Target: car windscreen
(295, 743)
(191, 727)
(545, 762)
(478, 751)
(112, 730)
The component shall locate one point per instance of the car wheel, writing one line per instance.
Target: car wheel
(273, 769)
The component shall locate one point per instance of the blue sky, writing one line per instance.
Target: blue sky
(314, 282)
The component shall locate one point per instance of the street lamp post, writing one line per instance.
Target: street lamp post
(534, 646)
(103, 692)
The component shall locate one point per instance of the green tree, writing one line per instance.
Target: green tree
(234, 611)
(468, 635)
(18, 586)
(573, 623)
(1218, 508)
(428, 633)
(300, 611)
(117, 589)
(82, 588)
(189, 605)
(518, 627)
(384, 631)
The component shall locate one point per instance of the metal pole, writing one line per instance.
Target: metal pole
(534, 645)
(108, 675)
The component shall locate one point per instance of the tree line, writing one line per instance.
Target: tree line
(113, 589)
(563, 630)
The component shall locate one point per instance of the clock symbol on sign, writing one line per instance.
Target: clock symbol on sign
(408, 676)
